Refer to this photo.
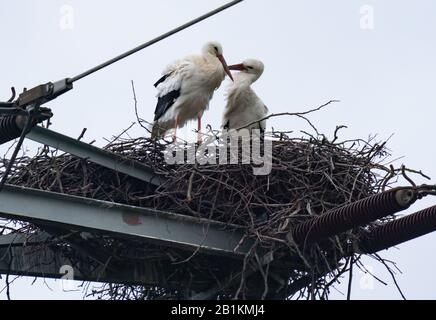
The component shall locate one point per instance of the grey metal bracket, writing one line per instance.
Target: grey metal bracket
(150, 225)
(94, 154)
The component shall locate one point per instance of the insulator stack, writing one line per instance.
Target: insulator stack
(357, 214)
(8, 129)
(399, 231)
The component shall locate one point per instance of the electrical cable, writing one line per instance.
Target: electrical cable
(4, 108)
(151, 42)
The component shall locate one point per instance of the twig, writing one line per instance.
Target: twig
(13, 95)
(299, 114)
(140, 121)
(82, 134)
(350, 279)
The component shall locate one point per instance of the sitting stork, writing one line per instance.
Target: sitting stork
(243, 105)
(187, 87)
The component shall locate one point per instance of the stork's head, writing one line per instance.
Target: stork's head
(214, 48)
(250, 67)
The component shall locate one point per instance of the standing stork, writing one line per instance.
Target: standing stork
(186, 88)
(243, 105)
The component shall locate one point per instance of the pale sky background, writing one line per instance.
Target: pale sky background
(314, 51)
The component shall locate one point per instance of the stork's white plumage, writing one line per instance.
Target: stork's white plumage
(186, 88)
(243, 105)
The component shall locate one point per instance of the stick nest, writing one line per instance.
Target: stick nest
(310, 175)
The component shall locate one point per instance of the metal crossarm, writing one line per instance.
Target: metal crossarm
(20, 239)
(99, 156)
(46, 263)
(145, 224)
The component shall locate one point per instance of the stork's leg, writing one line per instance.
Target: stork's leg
(175, 129)
(199, 138)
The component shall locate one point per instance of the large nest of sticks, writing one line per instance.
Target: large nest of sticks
(310, 175)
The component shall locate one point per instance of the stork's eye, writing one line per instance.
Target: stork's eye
(249, 67)
(216, 49)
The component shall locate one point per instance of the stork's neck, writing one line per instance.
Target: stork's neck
(244, 79)
(213, 68)
(210, 58)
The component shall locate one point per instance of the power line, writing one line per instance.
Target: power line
(44, 93)
(155, 40)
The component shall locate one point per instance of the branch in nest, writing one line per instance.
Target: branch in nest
(298, 114)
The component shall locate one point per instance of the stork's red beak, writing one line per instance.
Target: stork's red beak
(225, 66)
(237, 67)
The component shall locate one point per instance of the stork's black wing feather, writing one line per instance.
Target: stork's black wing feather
(164, 103)
(161, 80)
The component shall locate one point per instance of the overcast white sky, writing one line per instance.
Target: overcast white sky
(314, 51)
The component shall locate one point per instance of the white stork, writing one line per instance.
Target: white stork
(243, 105)
(186, 88)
